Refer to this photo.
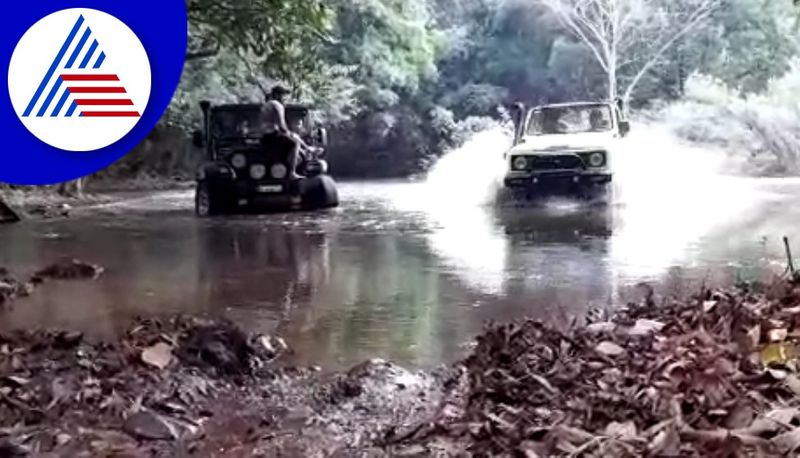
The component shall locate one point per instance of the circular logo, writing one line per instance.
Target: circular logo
(88, 123)
(79, 79)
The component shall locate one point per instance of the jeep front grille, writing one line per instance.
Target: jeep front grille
(555, 162)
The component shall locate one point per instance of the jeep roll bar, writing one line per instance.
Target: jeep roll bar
(204, 137)
(519, 114)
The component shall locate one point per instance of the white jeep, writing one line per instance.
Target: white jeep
(564, 149)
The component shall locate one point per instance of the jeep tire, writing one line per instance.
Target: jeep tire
(207, 203)
(319, 192)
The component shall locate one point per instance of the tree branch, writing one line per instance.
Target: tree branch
(699, 15)
(567, 19)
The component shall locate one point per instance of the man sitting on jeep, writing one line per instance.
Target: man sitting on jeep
(277, 133)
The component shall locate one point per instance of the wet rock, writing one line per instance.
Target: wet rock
(70, 269)
(149, 426)
(7, 214)
(11, 288)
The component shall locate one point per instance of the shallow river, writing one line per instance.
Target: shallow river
(409, 271)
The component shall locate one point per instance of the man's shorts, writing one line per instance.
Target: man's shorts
(278, 142)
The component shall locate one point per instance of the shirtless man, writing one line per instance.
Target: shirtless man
(276, 130)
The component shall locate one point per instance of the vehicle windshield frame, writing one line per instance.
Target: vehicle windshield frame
(534, 129)
(297, 119)
(238, 114)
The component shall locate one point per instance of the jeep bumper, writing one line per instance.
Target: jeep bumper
(557, 182)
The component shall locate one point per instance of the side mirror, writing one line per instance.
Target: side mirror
(198, 139)
(624, 127)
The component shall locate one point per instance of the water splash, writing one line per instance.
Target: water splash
(668, 195)
(455, 198)
(472, 174)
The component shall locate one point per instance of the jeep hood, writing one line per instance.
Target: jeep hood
(559, 142)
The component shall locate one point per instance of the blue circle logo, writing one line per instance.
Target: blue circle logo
(85, 85)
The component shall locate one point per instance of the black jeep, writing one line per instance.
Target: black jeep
(246, 172)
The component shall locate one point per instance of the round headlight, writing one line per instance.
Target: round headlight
(258, 171)
(278, 171)
(520, 163)
(597, 160)
(239, 161)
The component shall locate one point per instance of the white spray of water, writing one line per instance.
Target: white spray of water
(456, 198)
(471, 175)
(668, 196)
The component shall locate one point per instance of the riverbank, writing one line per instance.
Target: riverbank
(716, 371)
(46, 202)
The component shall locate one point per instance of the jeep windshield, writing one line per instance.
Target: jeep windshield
(570, 119)
(245, 122)
(231, 125)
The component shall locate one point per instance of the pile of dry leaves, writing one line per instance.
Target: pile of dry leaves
(59, 391)
(714, 376)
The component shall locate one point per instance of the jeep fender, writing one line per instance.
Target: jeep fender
(215, 171)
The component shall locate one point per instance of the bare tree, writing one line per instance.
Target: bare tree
(629, 36)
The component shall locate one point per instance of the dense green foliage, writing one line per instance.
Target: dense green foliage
(398, 80)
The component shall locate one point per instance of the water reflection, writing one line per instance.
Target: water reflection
(406, 271)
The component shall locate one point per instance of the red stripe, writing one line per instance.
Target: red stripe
(90, 77)
(104, 102)
(110, 114)
(97, 90)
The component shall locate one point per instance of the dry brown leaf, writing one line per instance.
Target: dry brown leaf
(617, 430)
(609, 349)
(778, 335)
(708, 306)
(754, 337)
(601, 328)
(777, 353)
(740, 417)
(159, 355)
(783, 416)
(667, 442)
(646, 327)
(777, 374)
(788, 442)
(793, 383)
(19, 381)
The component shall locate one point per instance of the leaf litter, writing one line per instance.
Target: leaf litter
(715, 375)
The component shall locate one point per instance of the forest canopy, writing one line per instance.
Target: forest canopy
(399, 81)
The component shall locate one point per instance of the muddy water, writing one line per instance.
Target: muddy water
(404, 271)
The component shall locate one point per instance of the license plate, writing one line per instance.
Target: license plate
(270, 188)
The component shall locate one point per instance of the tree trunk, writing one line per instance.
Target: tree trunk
(72, 188)
(612, 83)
